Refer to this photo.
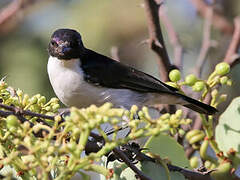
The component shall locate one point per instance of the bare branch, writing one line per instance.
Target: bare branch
(206, 43)
(120, 154)
(25, 112)
(173, 37)
(219, 21)
(231, 56)
(156, 40)
(10, 11)
(13, 10)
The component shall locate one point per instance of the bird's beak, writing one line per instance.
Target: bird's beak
(62, 49)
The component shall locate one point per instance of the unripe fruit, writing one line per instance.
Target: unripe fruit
(55, 107)
(207, 164)
(12, 121)
(223, 80)
(54, 100)
(203, 149)
(198, 86)
(196, 138)
(190, 79)
(42, 100)
(33, 100)
(192, 133)
(181, 132)
(179, 113)
(175, 75)
(194, 162)
(222, 68)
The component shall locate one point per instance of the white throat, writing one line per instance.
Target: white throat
(67, 79)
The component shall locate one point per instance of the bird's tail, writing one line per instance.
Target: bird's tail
(197, 105)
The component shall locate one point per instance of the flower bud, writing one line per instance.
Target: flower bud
(198, 86)
(190, 79)
(222, 68)
(12, 121)
(223, 80)
(194, 162)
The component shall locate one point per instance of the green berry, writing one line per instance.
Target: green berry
(12, 121)
(223, 80)
(19, 92)
(222, 68)
(175, 75)
(190, 79)
(194, 162)
(207, 164)
(198, 86)
(54, 100)
(179, 113)
(33, 100)
(48, 108)
(55, 107)
(181, 132)
(42, 100)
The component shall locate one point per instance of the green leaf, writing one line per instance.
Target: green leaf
(228, 129)
(153, 170)
(167, 147)
(150, 169)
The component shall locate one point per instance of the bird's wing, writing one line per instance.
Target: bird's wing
(101, 70)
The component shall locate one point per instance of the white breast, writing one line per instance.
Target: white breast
(68, 83)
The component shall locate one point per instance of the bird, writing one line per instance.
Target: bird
(81, 77)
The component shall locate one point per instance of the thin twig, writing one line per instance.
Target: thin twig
(206, 43)
(219, 21)
(122, 156)
(10, 11)
(173, 37)
(25, 112)
(234, 45)
(156, 40)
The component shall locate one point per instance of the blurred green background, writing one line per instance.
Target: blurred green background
(102, 24)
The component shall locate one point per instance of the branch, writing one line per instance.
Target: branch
(230, 56)
(156, 40)
(219, 21)
(206, 43)
(122, 156)
(25, 112)
(10, 11)
(173, 37)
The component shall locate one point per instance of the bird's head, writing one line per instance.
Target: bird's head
(65, 44)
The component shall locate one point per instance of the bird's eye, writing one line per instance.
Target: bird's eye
(53, 43)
